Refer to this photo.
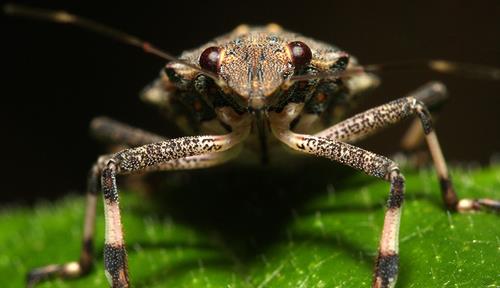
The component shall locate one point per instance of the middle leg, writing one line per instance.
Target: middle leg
(373, 120)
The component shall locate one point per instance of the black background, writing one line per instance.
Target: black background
(57, 78)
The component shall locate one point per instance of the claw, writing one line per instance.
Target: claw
(468, 205)
(68, 270)
(39, 274)
(490, 203)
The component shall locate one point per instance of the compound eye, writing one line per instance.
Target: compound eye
(300, 53)
(210, 59)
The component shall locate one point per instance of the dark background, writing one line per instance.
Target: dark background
(57, 78)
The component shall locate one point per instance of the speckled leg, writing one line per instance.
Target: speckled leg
(115, 132)
(386, 268)
(373, 120)
(141, 159)
(110, 131)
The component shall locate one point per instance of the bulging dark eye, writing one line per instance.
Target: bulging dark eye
(300, 52)
(210, 59)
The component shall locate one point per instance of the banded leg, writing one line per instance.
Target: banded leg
(120, 131)
(386, 268)
(371, 121)
(110, 131)
(141, 159)
(82, 267)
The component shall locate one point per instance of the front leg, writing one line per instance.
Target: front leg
(141, 159)
(387, 263)
(193, 159)
(80, 268)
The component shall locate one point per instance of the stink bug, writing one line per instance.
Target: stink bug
(251, 89)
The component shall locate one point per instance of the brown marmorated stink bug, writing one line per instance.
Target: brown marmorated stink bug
(239, 88)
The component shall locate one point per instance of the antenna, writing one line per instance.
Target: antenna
(64, 17)
(438, 65)
(441, 66)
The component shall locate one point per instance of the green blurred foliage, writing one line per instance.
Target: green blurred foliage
(229, 228)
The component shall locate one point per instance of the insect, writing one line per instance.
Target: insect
(254, 88)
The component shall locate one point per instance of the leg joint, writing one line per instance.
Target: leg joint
(396, 196)
(115, 264)
(108, 182)
(423, 113)
(95, 172)
(387, 270)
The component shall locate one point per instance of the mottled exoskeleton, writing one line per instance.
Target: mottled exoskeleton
(254, 89)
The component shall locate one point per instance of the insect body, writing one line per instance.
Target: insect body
(251, 89)
(255, 66)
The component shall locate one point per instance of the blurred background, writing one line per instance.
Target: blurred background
(57, 78)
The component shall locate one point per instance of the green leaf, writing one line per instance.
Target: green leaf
(268, 228)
